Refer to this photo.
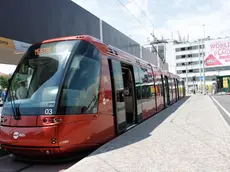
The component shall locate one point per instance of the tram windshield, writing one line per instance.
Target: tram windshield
(35, 83)
(70, 69)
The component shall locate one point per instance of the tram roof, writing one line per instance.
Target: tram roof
(111, 50)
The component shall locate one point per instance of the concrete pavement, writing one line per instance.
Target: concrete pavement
(189, 136)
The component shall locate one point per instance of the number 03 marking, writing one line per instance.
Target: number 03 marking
(48, 111)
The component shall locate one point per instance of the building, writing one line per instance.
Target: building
(211, 54)
(182, 57)
(189, 62)
(186, 59)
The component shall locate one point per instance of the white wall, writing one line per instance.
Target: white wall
(170, 57)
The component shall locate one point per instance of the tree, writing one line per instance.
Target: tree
(4, 81)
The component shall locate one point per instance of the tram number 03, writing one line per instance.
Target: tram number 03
(48, 111)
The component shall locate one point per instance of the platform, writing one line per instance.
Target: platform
(189, 136)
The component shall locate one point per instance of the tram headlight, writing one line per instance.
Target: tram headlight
(53, 140)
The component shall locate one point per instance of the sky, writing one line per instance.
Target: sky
(193, 19)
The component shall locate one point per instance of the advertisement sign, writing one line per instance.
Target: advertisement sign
(217, 52)
(225, 82)
(13, 44)
(7, 43)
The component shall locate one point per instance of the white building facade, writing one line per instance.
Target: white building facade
(189, 63)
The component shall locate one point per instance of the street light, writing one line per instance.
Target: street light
(204, 87)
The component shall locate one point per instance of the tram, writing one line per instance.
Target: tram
(76, 93)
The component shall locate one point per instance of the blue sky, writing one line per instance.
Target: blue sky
(167, 16)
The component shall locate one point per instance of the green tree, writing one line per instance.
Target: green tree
(4, 81)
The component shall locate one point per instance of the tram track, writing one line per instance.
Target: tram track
(3, 153)
(8, 163)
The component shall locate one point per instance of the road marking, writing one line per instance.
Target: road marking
(221, 107)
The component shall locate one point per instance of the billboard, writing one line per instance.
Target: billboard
(217, 53)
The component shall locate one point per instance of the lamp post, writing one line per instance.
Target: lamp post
(186, 63)
(199, 66)
(204, 87)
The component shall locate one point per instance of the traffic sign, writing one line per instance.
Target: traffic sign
(201, 77)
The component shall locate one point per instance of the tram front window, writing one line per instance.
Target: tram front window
(35, 83)
(80, 92)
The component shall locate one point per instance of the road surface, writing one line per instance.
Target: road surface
(222, 102)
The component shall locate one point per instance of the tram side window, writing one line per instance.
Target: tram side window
(137, 82)
(147, 85)
(183, 88)
(151, 84)
(173, 88)
(81, 88)
(161, 81)
(159, 86)
(179, 88)
(176, 88)
(144, 81)
(138, 89)
(170, 88)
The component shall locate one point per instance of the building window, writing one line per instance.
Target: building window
(195, 70)
(195, 47)
(195, 55)
(202, 46)
(177, 49)
(178, 57)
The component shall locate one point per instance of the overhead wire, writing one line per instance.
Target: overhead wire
(144, 13)
(141, 23)
(134, 16)
(137, 18)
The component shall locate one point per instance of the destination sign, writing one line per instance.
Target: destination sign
(59, 47)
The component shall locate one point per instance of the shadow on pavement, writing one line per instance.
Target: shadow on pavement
(141, 131)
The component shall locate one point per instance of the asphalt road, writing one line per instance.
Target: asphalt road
(222, 102)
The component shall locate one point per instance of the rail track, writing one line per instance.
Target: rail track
(9, 163)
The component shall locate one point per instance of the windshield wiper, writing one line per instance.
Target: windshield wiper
(94, 100)
(15, 109)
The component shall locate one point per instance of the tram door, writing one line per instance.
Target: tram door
(177, 89)
(166, 89)
(123, 95)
